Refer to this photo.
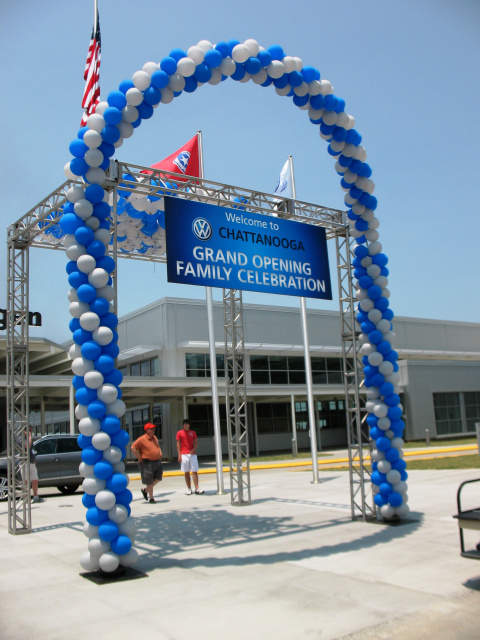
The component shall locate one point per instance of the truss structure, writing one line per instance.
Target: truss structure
(39, 227)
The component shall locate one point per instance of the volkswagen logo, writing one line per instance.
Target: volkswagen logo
(202, 229)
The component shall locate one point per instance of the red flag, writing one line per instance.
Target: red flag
(91, 75)
(183, 161)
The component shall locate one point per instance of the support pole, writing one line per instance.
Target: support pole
(308, 377)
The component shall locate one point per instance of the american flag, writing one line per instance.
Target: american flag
(91, 95)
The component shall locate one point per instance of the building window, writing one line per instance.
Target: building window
(197, 365)
(291, 370)
(201, 419)
(448, 417)
(331, 414)
(147, 368)
(472, 409)
(136, 419)
(273, 417)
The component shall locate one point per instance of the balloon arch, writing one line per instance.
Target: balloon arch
(86, 224)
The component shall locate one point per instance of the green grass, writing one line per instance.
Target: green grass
(451, 442)
(449, 462)
(285, 456)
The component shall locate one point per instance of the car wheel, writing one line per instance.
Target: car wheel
(3, 488)
(67, 489)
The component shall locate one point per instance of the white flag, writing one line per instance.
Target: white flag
(284, 184)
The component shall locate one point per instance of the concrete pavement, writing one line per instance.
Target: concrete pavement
(291, 565)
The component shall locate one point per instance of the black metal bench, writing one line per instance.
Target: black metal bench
(468, 519)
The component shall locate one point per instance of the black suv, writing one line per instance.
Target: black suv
(58, 459)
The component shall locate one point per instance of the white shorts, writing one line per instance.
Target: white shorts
(33, 472)
(189, 462)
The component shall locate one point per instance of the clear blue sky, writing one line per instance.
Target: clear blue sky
(408, 72)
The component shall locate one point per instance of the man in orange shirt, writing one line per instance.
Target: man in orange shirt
(187, 456)
(149, 455)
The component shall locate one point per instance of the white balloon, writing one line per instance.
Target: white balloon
(90, 530)
(95, 175)
(128, 528)
(401, 487)
(252, 47)
(75, 351)
(375, 359)
(283, 91)
(205, 45)
(387, 511)
(384, 466)
(167, 95)
(377, 455)
(69, 173)
(92, 223)
(83, 208)
(92, 139)
(141, 80)
(374, 271)
(276, 69)
(86, 264)
(380, 409)
(260, 77)
(227, 67)
(98, 278)
(75, 193)
(101, 440)
(402, 510)
(89, 321)
(301, 90)
(96, 122)
(118, 513)
(72, 295)
(103, 336)
(150, 67)
(186, 67)
(112, 454)
(117, 408)
(383, 423)
(93, 485)
(85, 469)
(107, 292)
(397, 443)
(80, 366)
(374, 248)
(97, 546)
(103, 235)
(394, 476)
(217, 77)
(74, 251)
(81, 411)
(119, 467)
(89, 562)
(386, 368)
(89, 426)
(134, 97)
(129, 559)
(107, 393)
(93, 380)
(326, 87)
(109, 562)
(245, 78)
(105, 499)
(130, 113)
(94, 157)
(375, 315)
(196, 53)
(240, 53)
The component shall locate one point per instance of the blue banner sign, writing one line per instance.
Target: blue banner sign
(215, 246)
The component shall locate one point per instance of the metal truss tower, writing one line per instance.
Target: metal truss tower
(236, 398)
(357, 430)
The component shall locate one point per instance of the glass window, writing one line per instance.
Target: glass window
(260, 377)
(145, 368)
(273, 417)
(259, 363)
(46, 446)
(331, 414)
(277, 363)
(472, 409)
(296, 377)
(197, 365)
(447, 413)
(135, 369)
(68, 445)
(296, 363)
(201, 419)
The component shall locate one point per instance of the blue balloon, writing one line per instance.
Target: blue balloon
(71, 267)
(386, 488)
(79, 167)
(120, 438)
(384, 347)
(78, 148)
(375, 433)
(265, 58)
(125, 85)
(276, 52)
(310, 73)
(383, 444)
(378, 379)
(392, 400)
(97, 409)
(90, 455)
(117, 99)
(124, 497)
(110, 134)
(380, 500)
(80, 336)
(112, 115)
(101, 210)
(111, 349)
(392, 455)
(223, 48)
(109, 320)
(84, 235)
(96, 249)
(104, 364)
(340, 135)
(152, 97)
(160, 79)
(91, 350)
(85, 395)
(372, 420)
(399, 465)
(100, 306)
(96, 516)
(239, 72)
(295, 78)
(374, 292)
(121, 545)
(78, 382)
(74, 324)
(84, 441)
(190, 84)
(176, 54)
(380, 259)
(202, 73)
(88, 500)
(232, 44)
(145, 110)
(107, 263)
(113, 377)
(394, 413)
(386, 389)
(117, 482)
(252, 65)
(395, 499)
(301, 101)
(377, 478)
(70, 222)
(375, 336)
(107, 149)
(381, 303)
(103, 469)
(110, 424)
(108, 530)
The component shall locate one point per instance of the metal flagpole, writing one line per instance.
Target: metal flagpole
(217, 436)
(308, 365)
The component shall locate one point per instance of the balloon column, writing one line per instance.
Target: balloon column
(87, 224)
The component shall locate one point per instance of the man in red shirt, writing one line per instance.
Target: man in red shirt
(149, 455)
(186, 448)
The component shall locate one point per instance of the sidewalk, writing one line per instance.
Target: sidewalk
(291, 565)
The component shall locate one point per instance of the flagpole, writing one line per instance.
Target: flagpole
(308, 363)
(217, 435)
(95, 15)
